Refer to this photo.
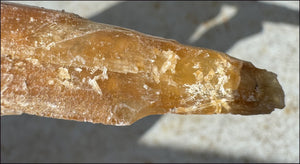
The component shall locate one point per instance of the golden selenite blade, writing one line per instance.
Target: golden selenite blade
(59, 65)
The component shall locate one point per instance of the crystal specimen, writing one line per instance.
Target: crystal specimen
(59, 65)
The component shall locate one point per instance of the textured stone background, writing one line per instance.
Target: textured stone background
(265, 33)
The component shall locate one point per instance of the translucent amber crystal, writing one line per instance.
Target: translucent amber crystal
(59, 65)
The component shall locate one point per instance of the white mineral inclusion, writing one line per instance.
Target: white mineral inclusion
(104, 74)
(79, 58)
(170, 63)
(145, 86)
(95, 85)
(50, 82)
(78, 69)
(64, 73)
(32, 19)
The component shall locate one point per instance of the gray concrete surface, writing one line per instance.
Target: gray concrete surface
(265, 33)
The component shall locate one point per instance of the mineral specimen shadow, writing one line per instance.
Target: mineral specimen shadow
(179, 20)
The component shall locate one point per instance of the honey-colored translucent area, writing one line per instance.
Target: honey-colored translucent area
(58, 65)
